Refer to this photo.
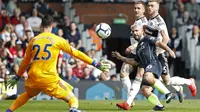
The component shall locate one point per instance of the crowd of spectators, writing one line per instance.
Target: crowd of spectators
(183, 20)
(16, 30)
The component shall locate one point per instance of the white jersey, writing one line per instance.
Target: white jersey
(141, 21)
(154, 27)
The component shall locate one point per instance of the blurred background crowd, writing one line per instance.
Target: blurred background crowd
(17, 27)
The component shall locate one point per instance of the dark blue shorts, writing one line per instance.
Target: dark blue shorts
(154, 67)
(164, 63)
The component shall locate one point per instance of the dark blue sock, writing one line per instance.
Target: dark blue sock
(8, 110)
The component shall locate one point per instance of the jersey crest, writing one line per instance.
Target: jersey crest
(143, 19)
(158, 19)
(149, 66)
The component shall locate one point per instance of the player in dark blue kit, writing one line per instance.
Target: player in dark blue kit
(156, 27)
(148, 60)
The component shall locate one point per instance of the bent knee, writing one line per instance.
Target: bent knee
(139, 75)
(122, 75)
(148, 76)
(146, 91)
(68, 96)
(166, 79)
(125, 70)
(166, 82)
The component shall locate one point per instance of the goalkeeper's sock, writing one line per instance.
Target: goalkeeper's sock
(161, 87)
(153, 99)
(8, 110)
(73, 102)
(20, 101)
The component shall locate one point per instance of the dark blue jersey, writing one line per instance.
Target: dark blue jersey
(146, 51)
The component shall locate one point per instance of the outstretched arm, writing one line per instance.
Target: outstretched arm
(27, 59)
(23, 66)
(165, 47)
(130, 61)
(65, 46)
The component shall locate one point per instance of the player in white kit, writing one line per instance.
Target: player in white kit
(126, 69)
(157, 28)
(133, 89)
(146, 86)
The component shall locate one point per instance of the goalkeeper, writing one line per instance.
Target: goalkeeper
(41, 59)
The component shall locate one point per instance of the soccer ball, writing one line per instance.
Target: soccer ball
(103, 30)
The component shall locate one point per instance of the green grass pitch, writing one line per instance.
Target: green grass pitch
(101, 106)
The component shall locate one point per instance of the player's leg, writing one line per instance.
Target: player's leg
(124, 75)
(175, 82)
(149, 77)
(62, 90)
(73, 101)
(178, 81)
(152, 98)
(23, 98)
(179, 89)
(135, 87)
(153, 71)
(165, 73)
(182, 81)
(166, 77)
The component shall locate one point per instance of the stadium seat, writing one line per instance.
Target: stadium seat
(76, 19)
(99, 54)
(81, 27)
(83, 38)
(88, 43)
(67, 7)
(87, 34)
(72, 13)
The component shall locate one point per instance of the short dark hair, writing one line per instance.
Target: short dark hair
(22, 15)
(140, 2)
(47, 21)
(158, 1)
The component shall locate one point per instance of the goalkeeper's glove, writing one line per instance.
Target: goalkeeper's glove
(102, 65)
(13, 81)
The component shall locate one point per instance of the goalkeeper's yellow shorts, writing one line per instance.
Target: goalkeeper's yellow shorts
(58, 90)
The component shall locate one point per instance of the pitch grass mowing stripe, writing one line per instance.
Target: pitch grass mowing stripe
(101, 106)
